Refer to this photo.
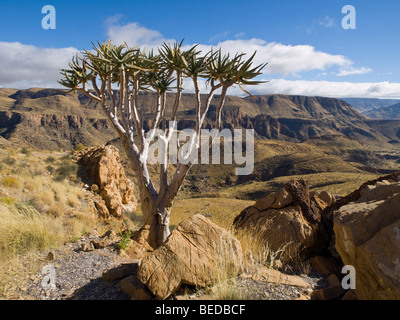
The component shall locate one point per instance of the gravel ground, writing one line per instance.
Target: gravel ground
(77, 275)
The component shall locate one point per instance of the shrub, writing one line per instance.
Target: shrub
(50, 159)
(7, 200)
(125, 239)
(9, 161)
(79, 146)
(67, 170)
(25, 151)
(50, 169)
(12, 182)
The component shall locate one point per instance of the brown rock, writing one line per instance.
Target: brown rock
(50, 256)
(124, 270)
(281, 227)
(325, 266)
(330, 293)
(194, 251)
(87, 246)
(132, 286)
(368, 238)
(275, 276)
(274, 200)
(302, 297)
(333, 280)
(101, 208)
(105, 240)
(289, 218)
(138, 248)
(103, 168)
(350, 295)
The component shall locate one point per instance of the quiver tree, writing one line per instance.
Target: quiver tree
(113, 76)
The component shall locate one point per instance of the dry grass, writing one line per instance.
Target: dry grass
(38, 209)
(24, 229)
(340, 183)
(221, 211)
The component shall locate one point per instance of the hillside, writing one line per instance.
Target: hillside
(54, 119)
(322, 140)
(366, 105)
(390, 112)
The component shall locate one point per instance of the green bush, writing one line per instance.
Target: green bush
(9, 161)
(79, 146)
(7, 200)
(50, 159)
(67, 171)
(25, 151)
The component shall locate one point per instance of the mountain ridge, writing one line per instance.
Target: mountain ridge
(50, 118)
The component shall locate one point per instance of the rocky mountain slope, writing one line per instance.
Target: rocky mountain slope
(364, 105)
(390, 112)
(53, 119)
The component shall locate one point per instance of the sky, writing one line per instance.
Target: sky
(308, 49)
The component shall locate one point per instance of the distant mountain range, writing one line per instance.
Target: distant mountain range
(54, 119)
(376, 108)
(390, 112)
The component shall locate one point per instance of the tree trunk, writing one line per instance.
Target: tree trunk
(158, 220)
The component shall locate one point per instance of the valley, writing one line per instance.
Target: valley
(322, 140)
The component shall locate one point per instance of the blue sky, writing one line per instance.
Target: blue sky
(307, 49)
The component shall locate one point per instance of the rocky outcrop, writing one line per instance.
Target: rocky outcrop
(367, 233)
(290, 218)
(192, 254)
(103, 170)
(54, 131)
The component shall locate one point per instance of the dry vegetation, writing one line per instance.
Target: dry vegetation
(42, 205)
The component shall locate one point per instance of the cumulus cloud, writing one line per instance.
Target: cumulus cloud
(327, 22)
(133, 34)
(281, 58)
(326, 88)
(284, 59)
(352, 71)
(25, 66)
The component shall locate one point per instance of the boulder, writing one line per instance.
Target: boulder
(289, 217)
(192, 254)
(104, 172)
(367, 233)
(330, 293)
(132, 286)
(121, 271)
(139, 247)
(271, 275)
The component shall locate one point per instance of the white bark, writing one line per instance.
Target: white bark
(127, 118)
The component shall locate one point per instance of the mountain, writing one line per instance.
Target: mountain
(390, 112)
(54, 119)
(365, 105)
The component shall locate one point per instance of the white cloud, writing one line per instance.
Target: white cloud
(325, 88)
(133, 34)
(281, 58)
(352, 71)
(24, 66)
(284, 59)
(240, 35)
(221, 35)
(327, 22)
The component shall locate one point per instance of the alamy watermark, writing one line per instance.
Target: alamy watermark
(349, 280)
(49, 279)
(49, 20)
(187, 146)
(349, 20)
